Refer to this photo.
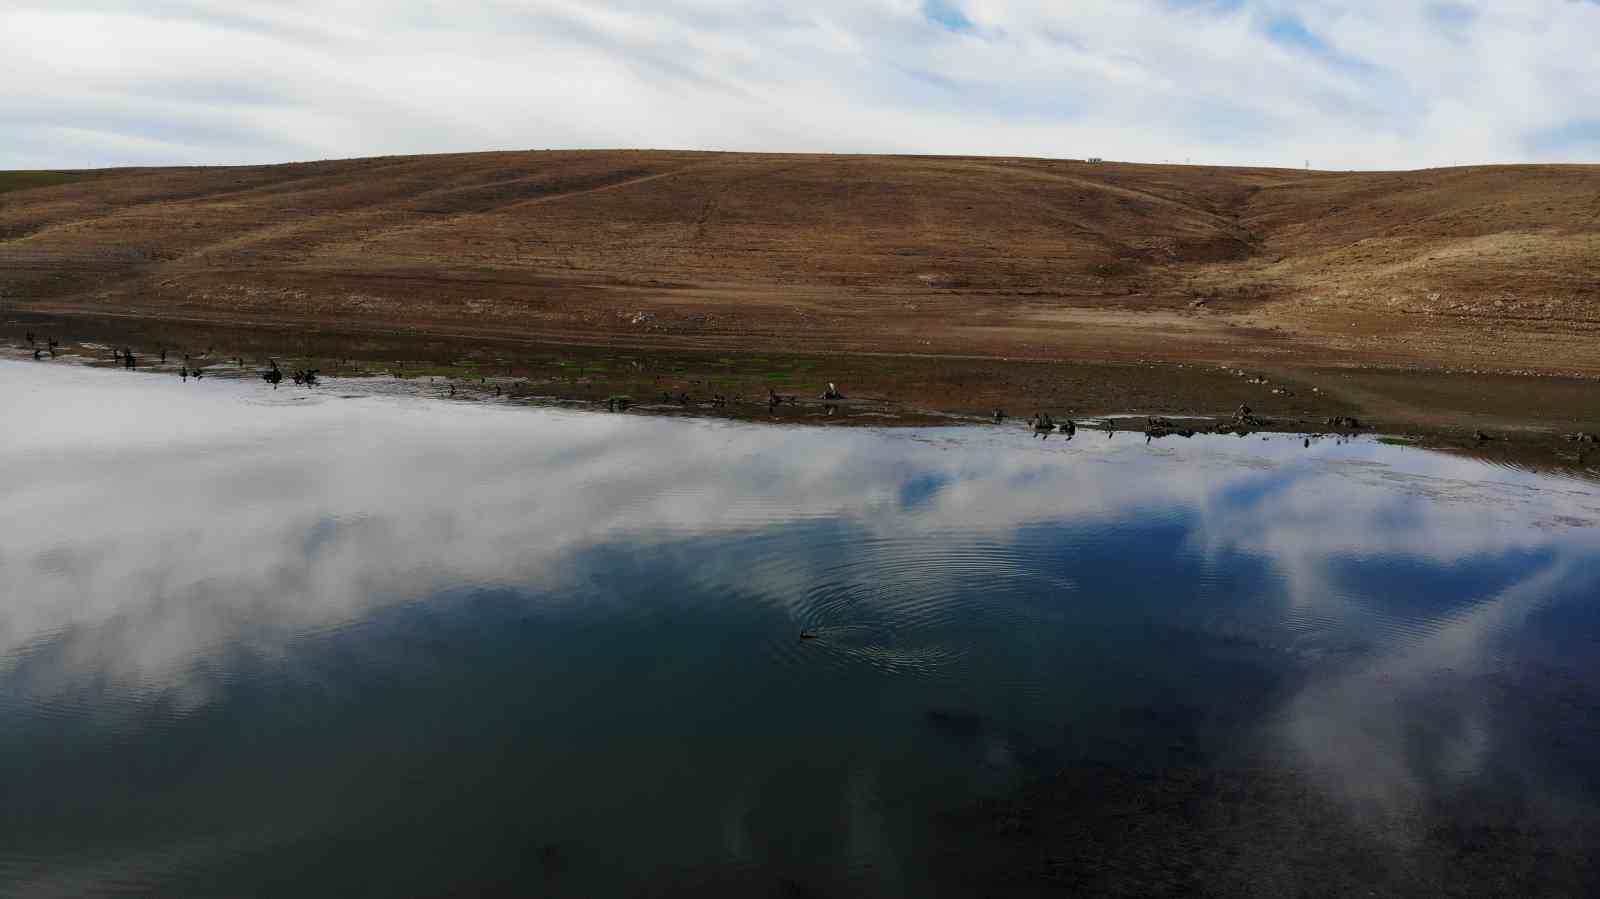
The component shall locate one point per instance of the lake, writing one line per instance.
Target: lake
(346, 641)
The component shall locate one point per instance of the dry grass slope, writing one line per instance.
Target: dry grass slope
(1476, 267)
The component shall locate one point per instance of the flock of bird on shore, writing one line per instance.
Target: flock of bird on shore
(1042, 424)
(187, 369)
(1243, 422)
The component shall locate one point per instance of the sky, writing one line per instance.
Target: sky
(1358, 84)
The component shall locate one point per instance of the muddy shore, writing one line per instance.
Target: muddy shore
(1527, 421)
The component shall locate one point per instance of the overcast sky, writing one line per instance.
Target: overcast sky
(1351, 84)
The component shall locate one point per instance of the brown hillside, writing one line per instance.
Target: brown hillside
(1479, 267)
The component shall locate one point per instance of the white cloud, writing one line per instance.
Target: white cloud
(269, 523)
(1370, 83)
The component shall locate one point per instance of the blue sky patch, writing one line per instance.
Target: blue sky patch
(1452, 15)
(1218, 7)
(947, 14)
(1569, 136)
(1291, 32)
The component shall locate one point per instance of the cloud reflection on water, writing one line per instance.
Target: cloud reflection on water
(149, 527)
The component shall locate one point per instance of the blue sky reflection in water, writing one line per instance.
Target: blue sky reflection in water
(254, 641)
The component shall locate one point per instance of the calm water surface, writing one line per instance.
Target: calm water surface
(293, 642)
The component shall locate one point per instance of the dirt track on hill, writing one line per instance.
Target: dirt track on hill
(1493, 268)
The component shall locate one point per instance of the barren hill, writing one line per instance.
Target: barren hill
(1495, 267)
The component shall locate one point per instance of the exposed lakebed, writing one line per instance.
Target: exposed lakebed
(343, 642)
